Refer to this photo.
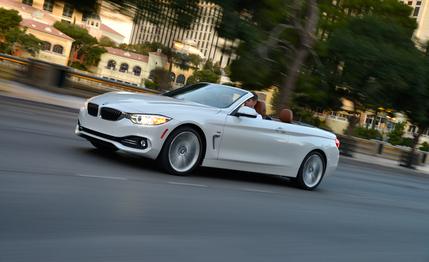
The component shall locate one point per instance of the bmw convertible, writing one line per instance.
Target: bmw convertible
(207, 125)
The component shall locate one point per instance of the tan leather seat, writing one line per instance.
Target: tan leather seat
(286, 115)
(261, 108)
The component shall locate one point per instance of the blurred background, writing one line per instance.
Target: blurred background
(356, 68)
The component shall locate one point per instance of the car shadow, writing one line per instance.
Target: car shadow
(138, 163)
(242, 176)
(122, 159)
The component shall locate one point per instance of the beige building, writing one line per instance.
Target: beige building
(50, 11)
(202, 33)
(128, 67)
(421, 13)
(56, 45)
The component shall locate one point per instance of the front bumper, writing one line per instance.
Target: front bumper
(123, 134)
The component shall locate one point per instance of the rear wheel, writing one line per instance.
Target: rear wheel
(311, 172)
(103, 146)
(182, 151)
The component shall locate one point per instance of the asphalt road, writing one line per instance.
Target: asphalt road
(60, 200)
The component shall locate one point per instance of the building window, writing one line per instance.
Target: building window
(410, 2)
(48, 5)
(180, 79)
(58, 49)
(68, 10)
(419, 3)
(46, 46)
(416, 11)
(111, 64)
(27, 2)
(137, 70)
(123, 67)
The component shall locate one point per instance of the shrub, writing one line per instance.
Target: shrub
(395, 136)
(424, 147)
(406, 141)
(151, 85)
(306, 116)
(367, 133)
(79, 66)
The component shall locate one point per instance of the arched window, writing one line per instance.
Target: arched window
(137, 70)
(58, 49)
(180, 79)
(27, 2)
(123, 67)
(172, 77)
(111, 64)
(46, 46)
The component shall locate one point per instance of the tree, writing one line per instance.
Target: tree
(107, 42)
(416, 107)
(8, 19)
(85, 47)
(372, 62)
(203, 76)
(160, 79)
(186, 61)
(12, 37)
(209, 73)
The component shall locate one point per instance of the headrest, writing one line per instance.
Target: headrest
(261, 108)
(286, 116)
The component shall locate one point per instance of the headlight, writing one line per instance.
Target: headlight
(148, 120)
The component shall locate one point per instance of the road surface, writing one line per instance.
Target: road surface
(61, 200)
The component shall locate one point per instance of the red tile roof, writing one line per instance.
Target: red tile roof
(35, 25)
(104, 27)
(127, 54)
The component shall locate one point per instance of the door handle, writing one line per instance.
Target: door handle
(280, 130)
(214, 140)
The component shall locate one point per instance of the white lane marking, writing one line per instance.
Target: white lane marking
(103, 177)
(257, 190)
(186, 184)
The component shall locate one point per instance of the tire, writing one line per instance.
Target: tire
(104, 147)
(182, 151)
(311, 171)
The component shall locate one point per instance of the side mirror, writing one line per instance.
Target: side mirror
(246, 112)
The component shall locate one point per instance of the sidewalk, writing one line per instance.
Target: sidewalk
(17, 90)
(371, 159)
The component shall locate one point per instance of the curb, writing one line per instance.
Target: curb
(396, 167)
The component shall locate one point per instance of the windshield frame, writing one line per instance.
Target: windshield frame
(190, 88)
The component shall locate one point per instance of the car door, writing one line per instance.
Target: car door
(252, 144)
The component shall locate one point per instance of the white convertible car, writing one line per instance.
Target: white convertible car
(206, 124)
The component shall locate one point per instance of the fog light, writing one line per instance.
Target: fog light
(143, 143)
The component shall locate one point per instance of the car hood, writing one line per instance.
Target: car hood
(146, 103)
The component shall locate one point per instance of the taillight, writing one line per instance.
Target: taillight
(337, 142)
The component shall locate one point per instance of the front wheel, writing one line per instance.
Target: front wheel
(311, 172)
(182, 151)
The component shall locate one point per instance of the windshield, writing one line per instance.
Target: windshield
(207, 94)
